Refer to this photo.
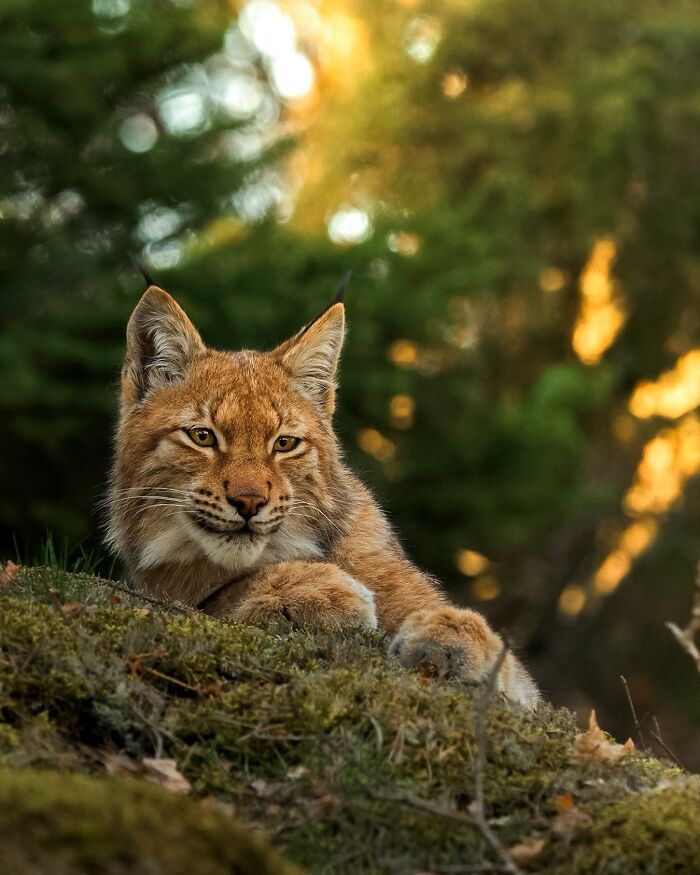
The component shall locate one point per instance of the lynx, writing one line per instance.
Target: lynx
(229, 493)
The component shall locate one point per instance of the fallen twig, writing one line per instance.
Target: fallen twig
(667, 750)
(461, 817)
(637, 724)
(686, 637)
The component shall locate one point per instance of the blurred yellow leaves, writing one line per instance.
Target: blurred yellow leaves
(552, 279)
(471, 563)
(375, 444)
(403, 353)
(486, 588)
(404, 242)
(454, 83)
(572, 600)
(633, 541)
(668, 460)
(401, 410)
(601, 315)
(675, 393)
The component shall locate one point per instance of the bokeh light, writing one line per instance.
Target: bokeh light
(182, 111)
(292, 75)
(268, 28)
(471, 563)
(349, 225)
(601, 315)
(138, 133)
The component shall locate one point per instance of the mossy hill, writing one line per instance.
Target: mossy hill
(309, 742)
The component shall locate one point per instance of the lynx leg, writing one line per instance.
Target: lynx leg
(314, 593)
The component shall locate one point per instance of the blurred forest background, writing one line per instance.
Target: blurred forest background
(516, 187)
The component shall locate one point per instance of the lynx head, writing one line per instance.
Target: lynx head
(225, 457)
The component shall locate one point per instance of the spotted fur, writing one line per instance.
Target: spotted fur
(246, 530)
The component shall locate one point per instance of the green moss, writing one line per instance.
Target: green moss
(654, 833)
(310, 735)
(77, 825)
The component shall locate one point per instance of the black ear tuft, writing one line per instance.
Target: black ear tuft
(342, 288)
(147, 278)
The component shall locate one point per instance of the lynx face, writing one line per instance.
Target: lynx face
(226, 456)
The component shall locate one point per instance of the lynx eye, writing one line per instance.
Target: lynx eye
(285, 443)
(202, 437)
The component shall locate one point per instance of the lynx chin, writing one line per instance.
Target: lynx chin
(229, 493)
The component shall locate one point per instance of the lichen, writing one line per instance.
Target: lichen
(310, 734)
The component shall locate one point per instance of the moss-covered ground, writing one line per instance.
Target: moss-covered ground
(317, 743)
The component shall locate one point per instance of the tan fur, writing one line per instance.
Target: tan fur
(318, 549)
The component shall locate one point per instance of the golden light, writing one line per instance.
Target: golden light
(600, 315)
(611, 572)
(341, 46)
(636, 538)
(668, 460)
(454, 83)
(401, 410)
(552, 279)
(471, 563)
(572, 600)
(486, 588)
(403, 242)
(674, 394)
(403, 353)
(374, 443)
(631, 543)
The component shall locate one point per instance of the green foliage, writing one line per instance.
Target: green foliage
(75, 203)
(311, 735)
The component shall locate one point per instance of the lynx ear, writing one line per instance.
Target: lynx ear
(312, 355)
(160, 341)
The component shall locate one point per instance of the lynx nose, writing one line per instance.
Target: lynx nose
(247, 503)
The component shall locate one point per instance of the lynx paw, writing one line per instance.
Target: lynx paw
(325, 596)
(456, 643)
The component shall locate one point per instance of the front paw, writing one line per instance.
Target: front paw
(322, 595)
(455, 643)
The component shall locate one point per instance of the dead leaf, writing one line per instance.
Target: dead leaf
(564, 803)
(166, 773)
(526, 852)
(593, 744)
(8, 572)
(160, 771)
(71, 607)
(296, 772)
(445, 752)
